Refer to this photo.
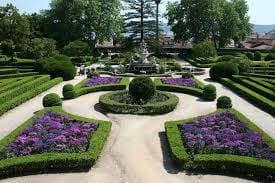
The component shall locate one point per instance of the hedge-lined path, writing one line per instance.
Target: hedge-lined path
(13, 118)
(262, 119)
(137, 151)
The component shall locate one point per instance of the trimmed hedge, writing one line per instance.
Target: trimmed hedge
(68, 92)
(251, 96)
(8, 71)
(209, 93)
(181, 89)
(18, 75)
(17, 100)
(16, 83)
(220, 163)
(80, 90)
(194, 63)
(51, 100)
(142, 88)
(151, 108)
(259, 75)
(54, 162)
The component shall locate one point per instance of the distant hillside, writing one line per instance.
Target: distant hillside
(263, 28)
(256, 28)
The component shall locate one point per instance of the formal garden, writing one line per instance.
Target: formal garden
(73, 110)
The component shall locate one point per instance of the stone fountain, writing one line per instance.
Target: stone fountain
(143, 65)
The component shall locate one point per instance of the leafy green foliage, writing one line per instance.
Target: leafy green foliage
(250, 55)
(224, 102)
(68, 91)
(57, 66)
(76, 48)
(205, 49)
(209, 93)
(257, 56)
(40, 48)
(142, 88)
(223, 69)
(269, 57)
(52, 100)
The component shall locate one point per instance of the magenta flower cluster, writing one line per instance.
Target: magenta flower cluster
(223, 133)
(52, 132)
(98, 80)
(187, 81)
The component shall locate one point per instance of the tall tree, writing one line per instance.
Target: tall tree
(14, 29)
(139, 18)
(157, 18)
(216, 20)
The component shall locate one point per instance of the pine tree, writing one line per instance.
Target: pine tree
(139, 18)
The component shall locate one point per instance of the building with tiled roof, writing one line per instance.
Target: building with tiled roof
(260, 41)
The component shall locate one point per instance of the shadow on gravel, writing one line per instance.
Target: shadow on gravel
(168, 163)
(100, 109)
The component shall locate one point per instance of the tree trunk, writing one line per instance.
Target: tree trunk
(142, 22)
(157, 23)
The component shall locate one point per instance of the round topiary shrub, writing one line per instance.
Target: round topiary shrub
(224, 69)
(225, 58)
(142, 88)
(209, 93)
(224, 102)
(257, 56)
(250, 55)
(68, 91)
(51, 100)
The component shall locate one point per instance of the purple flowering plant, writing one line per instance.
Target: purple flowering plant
(184, 81)
(223, 133)
(98, 80)
(52, 132)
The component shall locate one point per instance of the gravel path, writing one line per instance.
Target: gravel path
(136, 151)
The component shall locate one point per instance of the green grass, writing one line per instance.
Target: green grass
(54, 162)
(220, 163)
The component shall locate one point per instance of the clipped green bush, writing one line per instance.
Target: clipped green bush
(269, 57)
(142, 88)
(257, 56)
(250, 55)
(209, 93)
(52, 100)
(224, 102)
(225, 58)
(224, 69)
(205, 49)
(57, 66)
(68, 91)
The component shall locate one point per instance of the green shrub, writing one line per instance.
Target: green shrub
(187, 75)
(269, 57)
(250, 55)
(209, 93)
(52, 100)
(177, 67)
(161, 107)
(257, 56)
(142, 88)
(225, 58)
(162, 69)
(57, 66)
(243, 64)
(224, 69)
(205, 49)
(68, 91)
(76, 49)
(224, 102)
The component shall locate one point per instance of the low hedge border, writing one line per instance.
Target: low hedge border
(259, 75)
(156, 108)
(8, 71)
(14, 102)
(262, 83)
(18, 75)
(255, 87)
(251, 96)
(220, 163)
(5, 82)
(54, 162)
(181, 89)
(80, 90)
(196, 64)
(14, 84)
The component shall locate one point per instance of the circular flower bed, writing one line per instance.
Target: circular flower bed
(98, 80)
(122, 102)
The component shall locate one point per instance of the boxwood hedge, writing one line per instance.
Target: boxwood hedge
(80, 90)
(258, 100)
(54, 162)
(181, 89)
(151, 108)
(18, 75)
(220, 163)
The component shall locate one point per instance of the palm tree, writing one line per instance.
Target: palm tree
(157, 19)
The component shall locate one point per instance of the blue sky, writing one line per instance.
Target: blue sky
(261, 11)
